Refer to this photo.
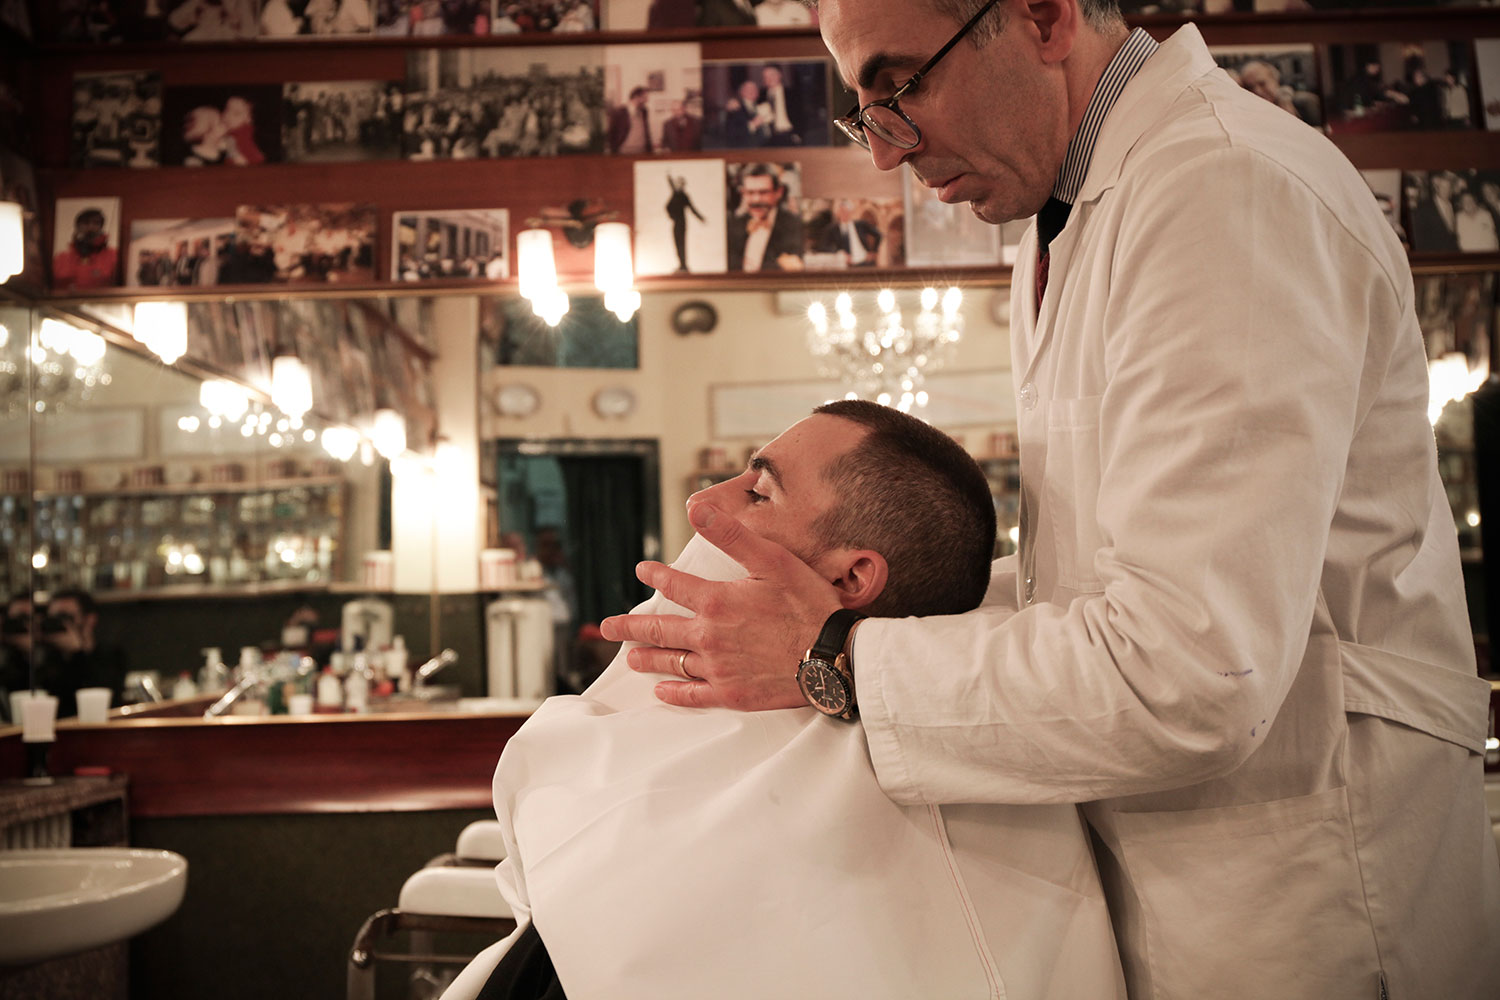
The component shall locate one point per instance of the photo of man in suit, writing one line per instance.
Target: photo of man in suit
(629, 127)
(856, 238)
(764, 234)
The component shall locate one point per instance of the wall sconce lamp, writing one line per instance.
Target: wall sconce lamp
(12, 241)
(582, 224)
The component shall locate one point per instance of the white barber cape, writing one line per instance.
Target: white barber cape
(666, 852)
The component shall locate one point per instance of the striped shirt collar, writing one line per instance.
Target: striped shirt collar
(1132, 56)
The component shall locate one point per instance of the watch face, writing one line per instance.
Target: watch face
(824, 687)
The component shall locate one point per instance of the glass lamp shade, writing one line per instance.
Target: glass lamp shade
(162, 327)
(291, 385)
(12, 241)
(389, 433)
(613, 270)
(536, 266)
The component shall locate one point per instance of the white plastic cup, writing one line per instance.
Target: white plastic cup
(18, 700)
(93, 705)
(39, 719)
(300, 704)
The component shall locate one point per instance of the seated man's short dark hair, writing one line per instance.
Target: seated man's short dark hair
(912, 493)
(85, 601)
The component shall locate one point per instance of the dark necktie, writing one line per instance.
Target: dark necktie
(1049, 222)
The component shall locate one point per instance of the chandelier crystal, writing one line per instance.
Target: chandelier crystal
(885, 355)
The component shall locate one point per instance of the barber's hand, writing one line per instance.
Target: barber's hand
(747, 636)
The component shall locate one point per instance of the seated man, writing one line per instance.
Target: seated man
(659, 852)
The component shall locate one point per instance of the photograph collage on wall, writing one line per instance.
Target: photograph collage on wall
(654, 98)
(1398, 86)
(178, 252)
(1284, 75)
(470, 103)
(454, 243)
(679, 217)
(235, 125)
(116, 120)
(778, 103)
(341, 121)
(86, 243)
(303, 244)
(1452, 211)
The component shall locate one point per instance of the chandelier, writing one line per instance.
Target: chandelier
(63, 364)
(885, 356)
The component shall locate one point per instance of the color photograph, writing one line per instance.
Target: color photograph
(938, 234)
(749, 105)
(177, 252)
(468, 103)
(221, 126)
(519, 17)
(654, 95)
(454, 243)
(764, 231)
(321, 18)
(342, 121)
(431, 18)
(1399, 86)
(754, 14)
(86, 244)
(853, 214)
(116, 120)
(302, 244)
(1283, 75)
(679, 217)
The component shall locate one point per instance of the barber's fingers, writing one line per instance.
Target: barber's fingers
(674, 662)
(760, 556)
(672, 632)
(688, 694)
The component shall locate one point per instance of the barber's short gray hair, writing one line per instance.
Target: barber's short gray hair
(1099, 13)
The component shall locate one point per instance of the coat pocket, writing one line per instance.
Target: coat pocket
(1252, 901)
(1072, 490)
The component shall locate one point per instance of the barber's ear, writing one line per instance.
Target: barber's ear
(1056, 24)
(862, 577)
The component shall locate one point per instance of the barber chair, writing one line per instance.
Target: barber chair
(453, 895)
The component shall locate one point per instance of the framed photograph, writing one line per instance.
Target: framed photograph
(680, 217)
(464, 103)
(116, 120)
(939, 234)
(324, 18)
(644, 15)
(514, 17)
(853, 214)
(750, 105)
(304, 244)
(431, 18)
(221, 126)
(177, 252)
(1283, 75)
(337, 122)
(654, 94)
(1487, 66)
(589, 336)
(456, 243)
(750, 14)
(1452, 211)
(209, 20)
(82, 22)
(1398, 86)
(1385, 185)
(764, 230)
(86, 244)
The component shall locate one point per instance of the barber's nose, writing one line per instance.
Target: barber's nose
(886, 155)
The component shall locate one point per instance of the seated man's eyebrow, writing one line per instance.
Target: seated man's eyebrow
(762, 464)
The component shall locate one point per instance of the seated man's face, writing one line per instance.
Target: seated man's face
(784, 490)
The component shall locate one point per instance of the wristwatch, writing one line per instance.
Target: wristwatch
(824, 675)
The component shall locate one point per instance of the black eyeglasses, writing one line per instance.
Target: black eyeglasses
(885, 117)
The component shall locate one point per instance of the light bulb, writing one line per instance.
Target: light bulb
(536, 268)
(389, 433)
(163, 328)
(291, 385)
(12, 240)
(612, 264)
(340, 442)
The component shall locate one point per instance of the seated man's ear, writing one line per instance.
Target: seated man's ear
(862, 577)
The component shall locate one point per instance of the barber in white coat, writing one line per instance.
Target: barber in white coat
(1239, 630)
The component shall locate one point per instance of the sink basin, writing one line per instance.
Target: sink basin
(56, 902)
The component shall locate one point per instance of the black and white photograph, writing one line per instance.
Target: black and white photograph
(1385, 185)
(341, 121)
(1283, 75)
(754, 14)
(468, 103)
(853, 214)
(680, 217)
(764, 231)
(939, 234)
(644, 15)
(1398, 86)
(1487, 69)
(1452, 211)
(86, 243)
(588, 336)
(748, 105)
(319, 18)
(302, 244)
(654, 94)
(221, 126)
(453, 243)
(431, 18)
(519, 17)
(177, 252)
(116, 120)
(82, 22)
(208, 20)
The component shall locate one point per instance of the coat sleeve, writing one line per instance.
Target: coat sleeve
(1238, 344)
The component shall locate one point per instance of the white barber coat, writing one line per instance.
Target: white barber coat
(1245, 640)
(666, 852)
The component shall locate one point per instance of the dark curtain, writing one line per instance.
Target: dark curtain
(606, 522)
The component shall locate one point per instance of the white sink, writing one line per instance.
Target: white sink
(56, 902)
